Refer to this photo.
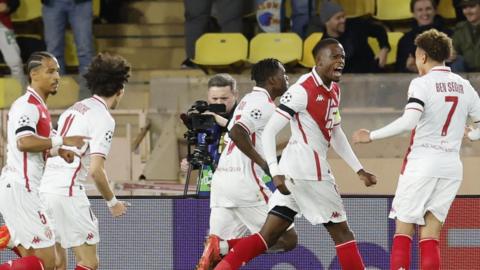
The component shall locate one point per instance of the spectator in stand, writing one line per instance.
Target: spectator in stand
(466, 38)
(353, 35)
(8, 43)
(197, 17)
(425, 15)
(79, 14)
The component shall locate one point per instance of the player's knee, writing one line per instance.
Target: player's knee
(289, 240)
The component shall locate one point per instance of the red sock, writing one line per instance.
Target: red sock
(349, 256)
(245, 250)
(429, 254)
(400, 256)
(25, 263)
(233, 242)
(82, 267)
(15, 249)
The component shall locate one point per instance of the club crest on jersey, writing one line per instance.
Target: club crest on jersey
(109, 136)
(256, 114)
(23, 121)
(286, 98)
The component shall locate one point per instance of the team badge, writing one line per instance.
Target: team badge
(286, 98)
(256, 114)
(109, 136)
(23, 121)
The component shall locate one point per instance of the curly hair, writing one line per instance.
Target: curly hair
(437, 45)
(107, 74)
(265, 69)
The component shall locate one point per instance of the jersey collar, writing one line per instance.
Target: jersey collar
(34, 93)
(318, 80)
(260, 89)
(441, 68)
(99, 99)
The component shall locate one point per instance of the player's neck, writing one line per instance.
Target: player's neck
(43, 95)
(431, 64)
(108, 101)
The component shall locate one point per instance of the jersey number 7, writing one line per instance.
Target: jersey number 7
(454, 101)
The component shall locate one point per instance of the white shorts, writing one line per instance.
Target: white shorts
(318, 201)
(416, 195)
(236, 222)
(75, 223)
(25, 216)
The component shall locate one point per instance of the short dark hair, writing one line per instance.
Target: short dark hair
(264, 69)
(222, 80)
(35, 60)
(412, 4)
(107, 74)
(437, 45)
(323, 44)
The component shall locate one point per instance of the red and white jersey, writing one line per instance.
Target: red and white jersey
(237, 181)
(312, 109)
(446, 100)
(89, 117)
(28, 115)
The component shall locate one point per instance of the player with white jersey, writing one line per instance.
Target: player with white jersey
(439, 104)
(63, 184)
(311, 108)
(30, 140)
(239, 196)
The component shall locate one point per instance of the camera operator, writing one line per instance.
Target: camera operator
(222, 89)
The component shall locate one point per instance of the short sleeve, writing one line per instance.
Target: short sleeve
(101, 138)
(25, 119)
(416, 95)
(293, 101)
(254, 116)
(474, 108)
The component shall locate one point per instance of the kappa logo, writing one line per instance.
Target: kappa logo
(319, 98)
(36, 240)
(90, 236)
(335, 214)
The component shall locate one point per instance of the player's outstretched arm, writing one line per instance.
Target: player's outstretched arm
(273, 127)
(35, 143)
(242, 140)
(341, 145)
(97, 172)
(406, 122)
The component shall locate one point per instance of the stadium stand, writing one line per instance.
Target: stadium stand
(392, 10)
(307, 56)
(220, 49)
(393, 38)
(286, 47)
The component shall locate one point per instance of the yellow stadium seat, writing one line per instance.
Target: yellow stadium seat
(307, 59)
(96, 8)
(357, 8)
(220, 49)
(71, 59)
(10, 89)
(67, 94)
(27, 12)
(446, 10)
(393, 38)
(391, 10)
(286, 47)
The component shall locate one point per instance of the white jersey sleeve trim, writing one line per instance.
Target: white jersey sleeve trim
(343, 148)
(273, 127)
(406, 122)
